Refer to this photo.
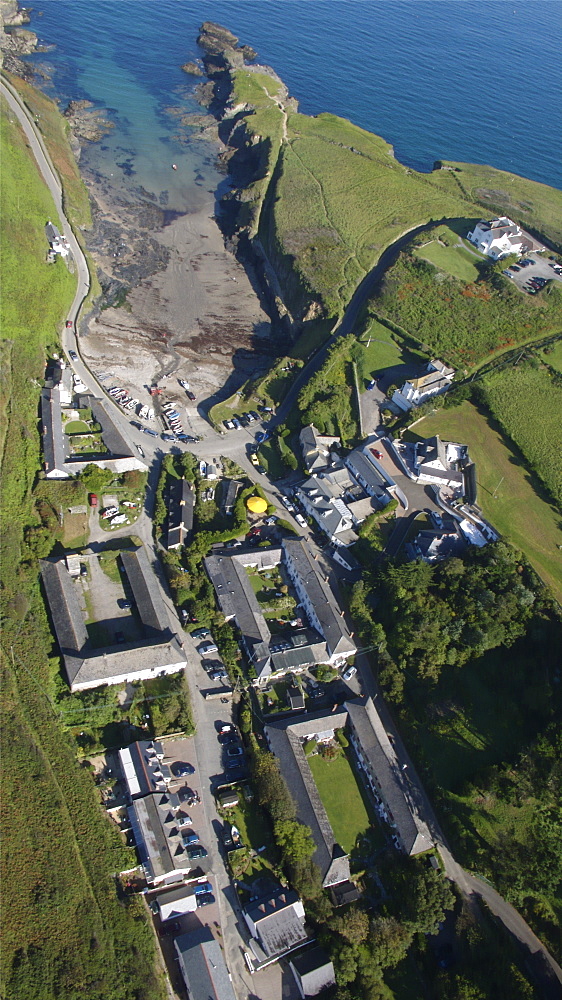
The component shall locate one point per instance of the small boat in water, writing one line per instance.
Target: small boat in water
(174, 166)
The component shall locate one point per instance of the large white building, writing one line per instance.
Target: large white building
(501, 237)
(435, 380)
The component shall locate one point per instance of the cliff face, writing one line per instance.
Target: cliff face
(251, 104)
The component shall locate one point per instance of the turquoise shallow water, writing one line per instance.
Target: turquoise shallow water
(476, 80)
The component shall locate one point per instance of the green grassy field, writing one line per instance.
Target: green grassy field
(380, 351)
(342, 799)
(505, 492)
(526, 202)
(553, 357)
(527, 402)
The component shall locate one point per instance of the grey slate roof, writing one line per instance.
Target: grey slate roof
(66, 614)
(314, 969)
(362, 467)
(147, 594)
(55, 451)
(157, 836)
(85, 666)
(332, 626)
(379, 753)
(278, 926)
(231, 488)
(111, 435)
(203, 966)
(237, 600)
(180, 513)
(285, 739)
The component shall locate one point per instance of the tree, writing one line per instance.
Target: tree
(354, 926)
(420, 897)
(391, 940)
(94, 479)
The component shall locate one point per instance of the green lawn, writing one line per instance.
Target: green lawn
(454, 260)
(381, 351)
(554, 357)
(342, 799)
(505, 493)
(269, 458)
(76, 427)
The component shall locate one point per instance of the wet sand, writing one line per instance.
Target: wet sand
(197, 317)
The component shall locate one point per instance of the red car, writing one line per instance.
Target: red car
(377, 454)
(69, 324)
(93, 500)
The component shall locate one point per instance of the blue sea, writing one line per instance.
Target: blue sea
(474, 80)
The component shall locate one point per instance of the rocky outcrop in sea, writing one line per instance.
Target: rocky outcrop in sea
(87, 125)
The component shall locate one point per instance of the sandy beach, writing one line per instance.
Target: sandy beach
(197, 317)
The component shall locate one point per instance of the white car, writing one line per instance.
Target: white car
(287, 503)
(349, 673)
(300, 520)
(119, 520)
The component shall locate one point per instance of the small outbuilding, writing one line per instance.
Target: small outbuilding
(313, 971)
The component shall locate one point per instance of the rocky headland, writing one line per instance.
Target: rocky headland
(87, 125)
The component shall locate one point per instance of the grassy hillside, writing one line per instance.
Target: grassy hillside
(326, 197)
(514, 395)
(535, 206)
(66, 932)
(505, 492)
(459, 320)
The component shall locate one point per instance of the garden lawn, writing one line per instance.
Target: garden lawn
(269, 458)
(454, 260)
(381, 350)
(505, 491)
(342, 799)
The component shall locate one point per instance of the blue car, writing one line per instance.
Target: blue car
(202, 887)
(148, 430)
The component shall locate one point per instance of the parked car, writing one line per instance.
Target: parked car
(349, 673)
(202, 887)
(92, 500)
(182, 819)
(73, 355)
(196, 852)
(189, 839)
(378, 454)
(204, 898)
(190, 395)
(168, 437)
(140, 451)
(181, 768)
(228, 424)
(300, 520)
(207, 647)
(148, 430)
(200, 633)
(124, 604)
(234, 752)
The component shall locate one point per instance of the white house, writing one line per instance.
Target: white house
(435, 380)
(501, 237)
(322, 501)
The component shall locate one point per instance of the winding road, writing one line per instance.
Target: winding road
(543, 967)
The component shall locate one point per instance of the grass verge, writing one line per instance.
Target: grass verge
(505, 490)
